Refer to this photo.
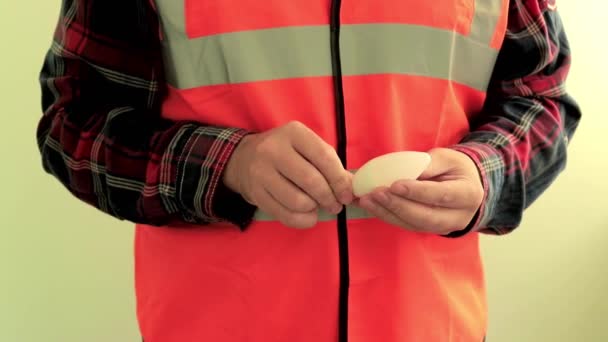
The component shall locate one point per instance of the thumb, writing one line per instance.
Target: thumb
(438, 166)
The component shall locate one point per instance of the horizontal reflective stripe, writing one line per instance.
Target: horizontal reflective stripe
(209, 17)
(416, 50)
(248, 56)
(352, 213)
(303, 51)
(294, 52)
(486, 16)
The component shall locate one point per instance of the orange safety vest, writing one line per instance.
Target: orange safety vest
(370, 77)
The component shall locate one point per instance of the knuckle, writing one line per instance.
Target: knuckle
(400, 213)
(398, 210)
(327, 154)
(394, 206)
(324, 196)
(329, 158)
(446, 199)
(326, 199)
(266, 147)
(310, 182)
(298, 221)
(295, 125)
(390, 204)
(289, 220)
(433, 221)
(321, 192)
(251, 195)
(341, 184)
(302, 203)
(308, 221)
(256, 171)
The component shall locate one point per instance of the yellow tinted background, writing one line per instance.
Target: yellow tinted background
(65, 269)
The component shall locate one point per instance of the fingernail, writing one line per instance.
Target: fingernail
(335, 209)
(365, 202)
(402, 190)
(346, 197)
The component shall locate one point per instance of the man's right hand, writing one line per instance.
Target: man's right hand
(289, 172)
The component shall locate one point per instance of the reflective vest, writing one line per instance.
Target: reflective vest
(369, 77)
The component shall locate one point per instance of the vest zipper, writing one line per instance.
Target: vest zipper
(341, 133)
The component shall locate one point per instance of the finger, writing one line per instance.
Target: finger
(326, 160)
(287, 217)
(457, 194)
(377, 210)
(288, 194)
(303, 174)
(417, 215)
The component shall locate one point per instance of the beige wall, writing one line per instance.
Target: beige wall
(72, 282)
(548, 281)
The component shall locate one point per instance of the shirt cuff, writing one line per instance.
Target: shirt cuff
(200, 191)
(490, 165)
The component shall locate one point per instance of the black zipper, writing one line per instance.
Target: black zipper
(341, 133)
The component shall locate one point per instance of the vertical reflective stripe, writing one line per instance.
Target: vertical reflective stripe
(487, 15)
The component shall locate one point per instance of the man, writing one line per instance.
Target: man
(228, 132)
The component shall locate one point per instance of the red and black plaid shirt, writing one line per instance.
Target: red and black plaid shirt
(103, 138)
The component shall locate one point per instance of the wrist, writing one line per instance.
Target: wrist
(232, 174)
(480, 154)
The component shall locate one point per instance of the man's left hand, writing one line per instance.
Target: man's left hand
(444, 199)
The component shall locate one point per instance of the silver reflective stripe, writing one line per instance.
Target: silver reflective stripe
(248, 56)
(487, 14)
(415, 50)
(292, 52)
(352, 213)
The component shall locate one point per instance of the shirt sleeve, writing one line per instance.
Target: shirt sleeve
(102, 135)
(519, 141)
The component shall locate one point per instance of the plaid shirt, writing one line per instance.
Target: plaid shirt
(103, 138)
